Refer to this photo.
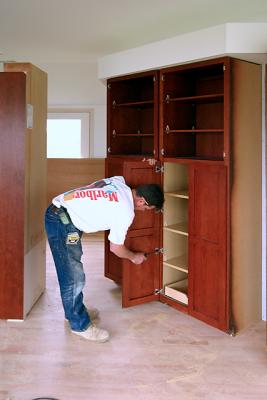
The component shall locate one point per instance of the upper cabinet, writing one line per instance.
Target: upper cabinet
(133, 115)
(193, 121)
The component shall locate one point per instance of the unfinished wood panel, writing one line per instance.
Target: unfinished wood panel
(245, 210)
(175, 231)
(64, 174)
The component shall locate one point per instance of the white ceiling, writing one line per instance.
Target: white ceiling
(84, 30)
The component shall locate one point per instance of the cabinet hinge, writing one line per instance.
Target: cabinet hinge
(154, 78)
(114, 104)
(114, 133)
(162, 152)
(224, 67)
(29, 116)
(162, 77)
(109, 85)
(158, 291)
(109, 149)
(159, 169)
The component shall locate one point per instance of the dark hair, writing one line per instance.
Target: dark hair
(152, 193)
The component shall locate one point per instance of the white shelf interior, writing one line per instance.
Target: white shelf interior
(175, 232)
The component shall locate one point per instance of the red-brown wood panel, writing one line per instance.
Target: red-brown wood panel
(140, 281)
(208, 273)
(143, 235)
(12, 166)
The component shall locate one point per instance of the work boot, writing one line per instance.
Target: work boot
(93, 334)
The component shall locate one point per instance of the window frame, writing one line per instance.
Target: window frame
(85, 116)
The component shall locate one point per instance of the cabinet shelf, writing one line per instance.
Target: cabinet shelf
(168, 131)
(178, 291)
(218, 97)
(136, 135)
(180, 228)
(133, 104)
(182, 194)
(180, 263)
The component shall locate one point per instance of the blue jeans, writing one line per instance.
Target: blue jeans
(65, 244)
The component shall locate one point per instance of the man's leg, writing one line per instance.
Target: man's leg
(65, 243)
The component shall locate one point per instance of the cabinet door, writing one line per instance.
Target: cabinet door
(208, 274)
(138, 281)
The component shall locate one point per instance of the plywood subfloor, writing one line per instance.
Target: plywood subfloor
(155, 352)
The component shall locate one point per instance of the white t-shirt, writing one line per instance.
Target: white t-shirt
(102, 205)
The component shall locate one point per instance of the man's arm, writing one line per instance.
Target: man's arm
(120, 250)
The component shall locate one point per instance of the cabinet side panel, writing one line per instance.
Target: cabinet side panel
(36, 191)
(246, 216)
(35, 181)
(12, 162)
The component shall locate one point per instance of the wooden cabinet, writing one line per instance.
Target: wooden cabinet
(133, 115)
(192, 118)
(209, 233)
(23, 110)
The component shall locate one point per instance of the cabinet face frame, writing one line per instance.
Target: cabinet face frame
(143, 116)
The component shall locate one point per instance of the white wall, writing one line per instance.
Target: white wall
(246, 40)
(75, 86)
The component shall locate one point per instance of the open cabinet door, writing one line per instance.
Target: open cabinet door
(139, 282)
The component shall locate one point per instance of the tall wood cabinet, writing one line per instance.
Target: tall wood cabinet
(195, 129)
(23, 110)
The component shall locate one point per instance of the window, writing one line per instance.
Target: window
(68, 135)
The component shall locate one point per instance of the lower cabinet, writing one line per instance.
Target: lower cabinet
(191, 268)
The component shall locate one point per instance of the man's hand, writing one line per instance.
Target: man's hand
(138, 258)
(120, 250)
